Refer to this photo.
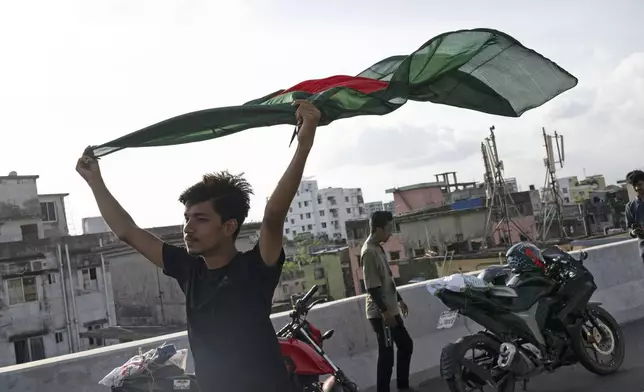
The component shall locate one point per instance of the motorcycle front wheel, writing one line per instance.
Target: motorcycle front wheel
(599, 345)
(484, 352)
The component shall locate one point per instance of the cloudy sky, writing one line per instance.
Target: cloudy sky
(75, 73)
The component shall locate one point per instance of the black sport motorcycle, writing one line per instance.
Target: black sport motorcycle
(533, 323)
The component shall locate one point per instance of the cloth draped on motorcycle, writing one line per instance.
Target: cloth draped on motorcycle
(457, 283)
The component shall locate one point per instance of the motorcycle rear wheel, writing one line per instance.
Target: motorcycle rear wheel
(611, 344)
(465, 381)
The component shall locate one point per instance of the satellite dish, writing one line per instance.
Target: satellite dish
(13, 174)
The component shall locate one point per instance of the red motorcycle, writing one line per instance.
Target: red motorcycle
(306, 361)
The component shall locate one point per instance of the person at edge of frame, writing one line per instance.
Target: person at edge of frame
(228, 292)
(385, 305)
(635, 208)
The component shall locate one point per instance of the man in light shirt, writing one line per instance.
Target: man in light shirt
(384, 306)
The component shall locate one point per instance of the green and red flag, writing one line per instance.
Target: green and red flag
(480, 69)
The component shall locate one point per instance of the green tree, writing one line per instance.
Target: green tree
(303, 257)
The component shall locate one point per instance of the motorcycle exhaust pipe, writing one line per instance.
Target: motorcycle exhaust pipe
(507, 353)
(520, 365)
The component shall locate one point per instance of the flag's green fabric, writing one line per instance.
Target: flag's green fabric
(481, 69)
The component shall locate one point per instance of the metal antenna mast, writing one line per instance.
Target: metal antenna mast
(552, 208)
(501, 209)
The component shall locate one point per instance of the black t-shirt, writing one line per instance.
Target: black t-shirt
(231, 336)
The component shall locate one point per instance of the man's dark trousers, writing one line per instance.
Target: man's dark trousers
(400, 337)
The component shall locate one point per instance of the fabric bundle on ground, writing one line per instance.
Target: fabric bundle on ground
(480, 69)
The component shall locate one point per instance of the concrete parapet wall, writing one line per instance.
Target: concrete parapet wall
(618, 271)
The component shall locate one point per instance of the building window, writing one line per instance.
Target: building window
(394, 255)
(29, 232)
(286, 219)
(294, 232)
(310, 227)
(324, 225)
(286, 230)
(48, 211)
(28, 350)
(321, 212)
(361, 210)
(419, 252)
(319, 200)
(51, 278)
(301, 216)
(348, 210)
(59, 337)
(306, 204)
(318, 273)
(22, 290)
(308, 215)
(564, 190)
(299, 204)
(346, 198)
(303, 229)
(290, 209)
(566, 199)
(98, 342)
(90, 282)
(292, 221)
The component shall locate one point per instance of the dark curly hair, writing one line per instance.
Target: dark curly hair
(379, 219)
(634, 177)
(229, 194)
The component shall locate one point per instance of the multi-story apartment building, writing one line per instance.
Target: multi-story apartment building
(53, 288)
(575, 191)
(374, 206)
(511, 185)
(317, 212)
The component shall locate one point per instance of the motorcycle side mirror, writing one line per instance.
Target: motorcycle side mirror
(583, 255)
(328, 334)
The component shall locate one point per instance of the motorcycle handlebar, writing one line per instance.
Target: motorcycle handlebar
(307, 297)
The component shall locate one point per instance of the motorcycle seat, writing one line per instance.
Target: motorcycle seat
(527, 291)
(503, 292)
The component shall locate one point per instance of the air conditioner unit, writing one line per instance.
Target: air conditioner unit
(38, 265)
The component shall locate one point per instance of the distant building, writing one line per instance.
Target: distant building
(26, 215)
(330, 271)
(629, 189)
(461, 226)
(53, 287)
(575, 191)
(597, 180)
(565, 188)
(372, 207)
(418, 196)
(511, 185)
(323, 212)
(444, 191)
